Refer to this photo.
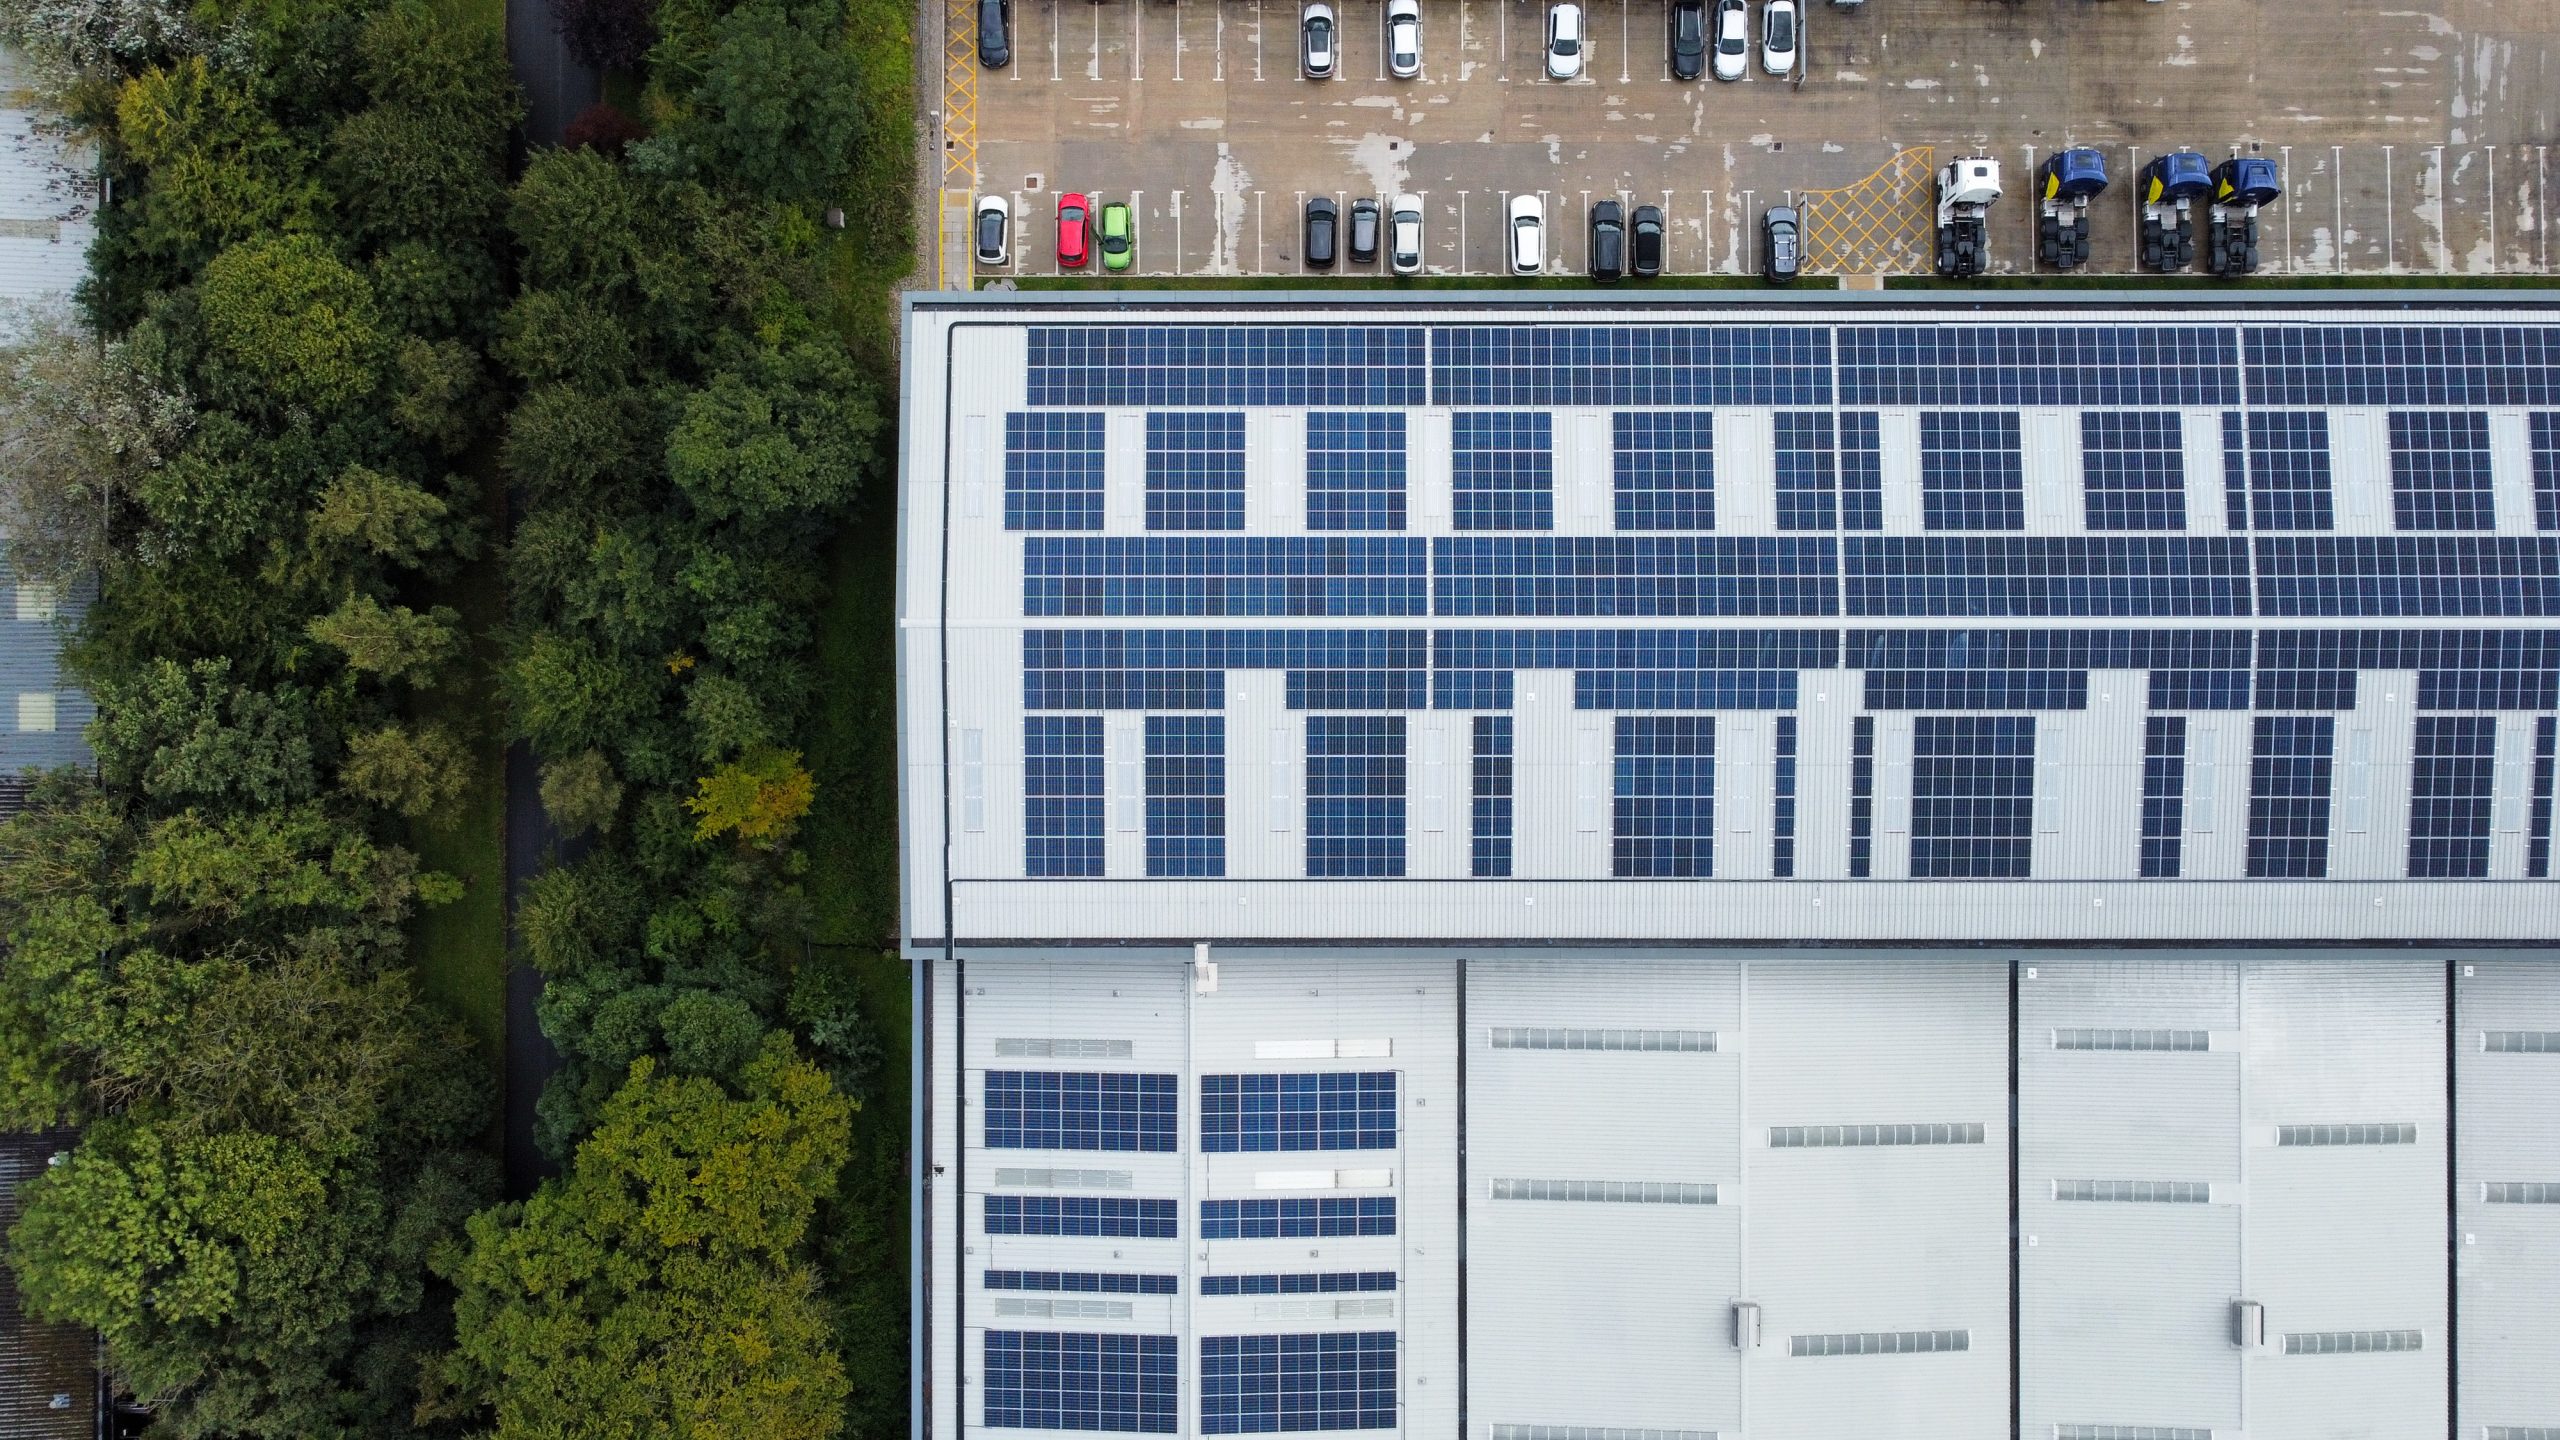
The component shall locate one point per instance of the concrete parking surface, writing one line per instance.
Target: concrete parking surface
(2410, 141)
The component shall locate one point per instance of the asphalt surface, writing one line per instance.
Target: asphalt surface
(555, 86)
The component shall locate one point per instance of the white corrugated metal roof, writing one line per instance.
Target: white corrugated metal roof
(48, 201)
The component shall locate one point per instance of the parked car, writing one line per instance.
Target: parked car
(993, 217)
(1688, 38)
(1608, 249)
(1645, 243)
(1781, 244)
(1364, 232)
(1404, 38)
(1778, 37)
(1404, 236)
(995, 33)
(1316, 41)
(1733, 39)
(1528, 235)
(1119, 236)
(1323, 216)
(1564, 41)
(1075, 226)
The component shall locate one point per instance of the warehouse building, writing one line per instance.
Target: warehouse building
(1632, 870)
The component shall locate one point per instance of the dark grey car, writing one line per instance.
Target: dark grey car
(1323, 218)
(995, 33)
(1781, 244)
(1688, 38)
(1608, 242)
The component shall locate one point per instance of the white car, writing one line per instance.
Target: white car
(1733, 39)
(1404, 236)
(1528, 235)
(1404, 38)
(994, 218)
(1316, 41)
(1564, 41)
(1778, 37)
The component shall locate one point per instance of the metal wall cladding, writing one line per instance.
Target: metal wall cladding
(2345, 1237)
(1597, 1313)
(1893, 1238)
(33, 621)
(2124, 1306)
(2507, 1256)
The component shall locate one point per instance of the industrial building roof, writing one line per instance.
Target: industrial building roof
(1517, 619)
(48, 201)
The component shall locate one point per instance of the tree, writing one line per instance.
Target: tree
(74, 40)
(580, 219)
(383, 515)
(657, 1289)
(427, 160)
(608, 34)
(221, 171)
(82, 423)
(566, 695)
(436, 392)
(761, 796)
(571, 445)
(420, 771)
(291, 324)
(579, 792)
(779, 107)
(392, 642)
(190, 734)
(789, 429)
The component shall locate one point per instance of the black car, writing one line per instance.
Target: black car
(1323, 217)
(1364, 232)
(1644, 249)
(1688, 38)
(1781, 244)
(1608, 241)
(995, 33)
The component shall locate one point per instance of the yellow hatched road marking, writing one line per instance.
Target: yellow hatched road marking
(959, 137)
(1882, 225)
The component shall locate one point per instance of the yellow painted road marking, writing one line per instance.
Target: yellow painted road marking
(959, 138)
(1882, 225)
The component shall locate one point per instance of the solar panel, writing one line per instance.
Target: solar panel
(1440, 558)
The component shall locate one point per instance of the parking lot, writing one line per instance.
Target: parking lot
(2409, 142)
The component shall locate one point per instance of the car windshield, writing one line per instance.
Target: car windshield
(1567, 45)
(1072, 215)
(990, 230)
(1782, 30)
(1318, 28)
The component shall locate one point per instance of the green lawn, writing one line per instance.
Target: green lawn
(852, 833)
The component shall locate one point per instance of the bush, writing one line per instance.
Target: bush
(602, 127)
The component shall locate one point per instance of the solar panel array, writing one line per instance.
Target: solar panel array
(1972, 518)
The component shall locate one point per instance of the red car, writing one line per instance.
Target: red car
(1075, 225)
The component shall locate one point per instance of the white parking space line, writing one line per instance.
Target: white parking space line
(2338, 195)
(1462, 232)
(1137, 40)
(2390, 238)
(2542, 208)
(1623, 77)
(1260, 265)
(1176, 216)
(2284, 187)
(1054, 28)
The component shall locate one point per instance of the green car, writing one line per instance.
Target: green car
(1118, 236)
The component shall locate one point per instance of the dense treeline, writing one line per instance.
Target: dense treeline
(322, 324)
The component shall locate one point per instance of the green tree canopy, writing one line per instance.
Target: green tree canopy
(658, 1287)
(789, 429)
(291, 323)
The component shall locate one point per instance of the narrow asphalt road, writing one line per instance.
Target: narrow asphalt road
(556, 88)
